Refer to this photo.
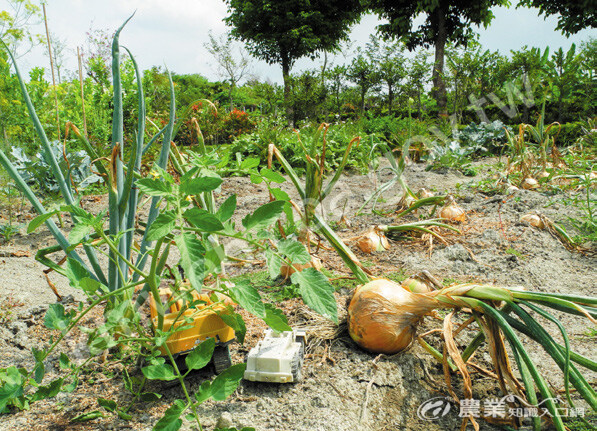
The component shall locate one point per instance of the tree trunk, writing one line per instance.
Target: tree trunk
(363, 94)
(286, 75)
(390, 97)
(230, 96)
(439, 86)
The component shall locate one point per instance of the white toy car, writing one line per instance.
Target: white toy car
(277, 358)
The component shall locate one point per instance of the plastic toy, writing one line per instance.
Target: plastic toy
(278, 357)
(206, 324)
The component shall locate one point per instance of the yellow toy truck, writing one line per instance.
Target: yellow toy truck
(206, 324)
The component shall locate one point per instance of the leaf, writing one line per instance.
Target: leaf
(98, 344)
(249, 163)
(248, 298)
(204, 391)
(171, 420)
(159, 372)
(275, 319)
(280, 195)
(255, 179)
(96, 414)
(152, 187)
(8, 392)
(123, 415)
(200, 185)
(48, 391)
(264, 216)
(192, 260)
(78, 233)
(203, 220)
(162, 225)
(56, 318)
(274, 263)
(148, 397)
(317, 292)
(89, 285)
(107, 404)
(201, 355)
(226, 210)
(39, 220)
(236, 322)
(273, 176)
(64, 362)
(75, 271)
(227, 382)
(294, 250)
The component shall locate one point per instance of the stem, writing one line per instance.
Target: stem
(180, 378)
(80, 316)
(114, 249)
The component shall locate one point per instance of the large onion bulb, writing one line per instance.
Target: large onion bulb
(533, 220)
(530, 183)
(383, 316)
(452, 211)
(373, 240)
(424, 193)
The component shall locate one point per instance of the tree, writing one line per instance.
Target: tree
(365, 74)
(573, 15)
(282, 31)
(445, 21)
(417, 73)
(336, 77)
(15, 24)
(563, 71)
(390, 61)
(229, 66)
(58, 48)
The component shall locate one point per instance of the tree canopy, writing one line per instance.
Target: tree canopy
(445, 22)
(573, 15)
(282, 31)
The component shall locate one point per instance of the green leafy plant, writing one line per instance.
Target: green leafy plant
(183, 215)
(75, 167)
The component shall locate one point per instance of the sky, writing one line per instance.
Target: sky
(173, 33)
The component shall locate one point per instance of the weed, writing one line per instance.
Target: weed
(514, 252)
(7, 307)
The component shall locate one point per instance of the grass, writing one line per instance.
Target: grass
(514, 252)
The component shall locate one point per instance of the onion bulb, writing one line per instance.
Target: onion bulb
(414, 284)
(373, 240)
(287, 270)
(406, 201)
(512, 189)
(383, 316)
(533, 220)
(543, 174)
(529, 183)
(424, 193)
(452, 211)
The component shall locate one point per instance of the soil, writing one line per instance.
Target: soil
(343, 388)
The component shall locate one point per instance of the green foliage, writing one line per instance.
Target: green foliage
(75, 165)
(283, 31)
(573, 15)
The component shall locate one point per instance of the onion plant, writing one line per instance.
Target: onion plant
(383, 317)
(120, 179)
(409, 201)
(313, 192)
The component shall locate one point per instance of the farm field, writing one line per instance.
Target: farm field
(403, 237)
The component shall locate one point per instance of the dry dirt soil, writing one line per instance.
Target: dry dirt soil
(344, 387)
